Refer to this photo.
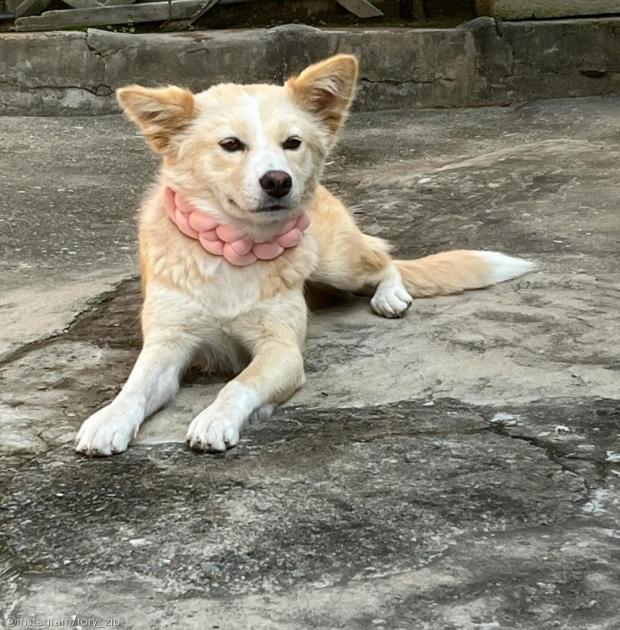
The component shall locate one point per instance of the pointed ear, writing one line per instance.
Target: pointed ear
(161, 113)
(327, 89)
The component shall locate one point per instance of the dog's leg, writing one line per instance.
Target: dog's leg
(391, 298)
(275, 337)
(153, 382)
(350, 260)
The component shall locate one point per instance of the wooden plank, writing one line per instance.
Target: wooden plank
(31, 7)
(102, 15)
(86, 4)
(147, 12)
(180, 25)
(92, 4)
(361, 8)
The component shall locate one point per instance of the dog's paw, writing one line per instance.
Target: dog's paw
(108, 431)
(213, 432)
(218, 427)
(391, 300)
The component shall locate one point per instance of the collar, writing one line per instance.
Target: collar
(221, 239)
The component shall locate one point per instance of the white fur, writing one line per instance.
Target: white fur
(218, 427)
(503, 267)
(110, 429)
(391, 299)
(221, 327)
(233, 291)
(153, 382)
(265, 155)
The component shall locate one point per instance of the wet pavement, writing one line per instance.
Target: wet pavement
(457, 469)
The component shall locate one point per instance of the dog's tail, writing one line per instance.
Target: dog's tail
(459, 270)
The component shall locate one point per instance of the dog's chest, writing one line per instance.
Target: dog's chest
(202, 288)
(220, 290)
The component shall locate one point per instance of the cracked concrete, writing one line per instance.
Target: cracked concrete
(456, 469)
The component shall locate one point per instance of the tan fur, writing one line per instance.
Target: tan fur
(160, 113)
(327, 88)
(250, 319)
(444, 274)
(348, 259)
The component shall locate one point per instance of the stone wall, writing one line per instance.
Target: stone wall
(480, 63)
(527, 9)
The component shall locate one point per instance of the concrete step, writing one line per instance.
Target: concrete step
(479, 63)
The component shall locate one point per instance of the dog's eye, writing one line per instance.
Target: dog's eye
(232, 144)
(292, 143)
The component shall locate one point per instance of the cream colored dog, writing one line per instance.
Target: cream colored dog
(246, 160)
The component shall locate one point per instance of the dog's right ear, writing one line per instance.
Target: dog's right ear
(161, 113)
(327, 89)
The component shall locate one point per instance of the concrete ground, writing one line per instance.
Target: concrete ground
(456, 469)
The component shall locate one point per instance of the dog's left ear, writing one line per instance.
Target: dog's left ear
(327, 89)
(161, 113)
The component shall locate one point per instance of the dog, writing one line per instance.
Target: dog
(235, 226)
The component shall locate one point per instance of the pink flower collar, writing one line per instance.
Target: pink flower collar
(225, 240)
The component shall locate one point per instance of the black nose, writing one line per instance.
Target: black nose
(276, 183)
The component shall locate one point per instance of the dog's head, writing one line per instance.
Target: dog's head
(253, 153)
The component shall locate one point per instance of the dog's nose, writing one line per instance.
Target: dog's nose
(276, 183)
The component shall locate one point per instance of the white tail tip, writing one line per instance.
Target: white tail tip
(502, 267)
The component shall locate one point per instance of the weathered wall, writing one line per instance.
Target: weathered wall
(560, 58)
(480, 63)
(526, 9)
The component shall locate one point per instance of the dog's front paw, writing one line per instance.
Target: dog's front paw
(391, 300)
(108, 431)
(213, 431)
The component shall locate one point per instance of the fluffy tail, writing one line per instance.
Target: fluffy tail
(459, 270)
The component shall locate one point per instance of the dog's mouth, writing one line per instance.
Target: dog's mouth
(273, 208)
(276, 207)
